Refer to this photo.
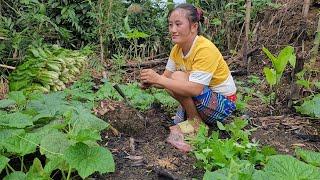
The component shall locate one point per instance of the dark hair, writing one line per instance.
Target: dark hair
(195, 15)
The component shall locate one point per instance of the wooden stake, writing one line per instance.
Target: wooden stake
(305, 9)
(247, 30)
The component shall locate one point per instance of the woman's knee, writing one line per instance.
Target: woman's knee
(180, 75)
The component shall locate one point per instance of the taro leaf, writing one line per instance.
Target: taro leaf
(270, 75)
(310, 107)
(17, 120)
(36, 171)
(18, 97)
(54, 144)
(86, 160)
(6, 102)
(86, 135)
(22, 144)
(270, 56)
(3, 162)
(310, 157)
(285, 55)
(287, 167)
(83, 119)
(17, 175)
(49, 105)
(236, 171)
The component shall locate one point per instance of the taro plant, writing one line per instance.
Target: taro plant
(273, 75)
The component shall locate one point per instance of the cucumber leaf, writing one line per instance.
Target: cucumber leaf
(287, 167)
(17, 175)
(16, 120)
(310, 107)
(310, 157)
(54, 144)
(3, 162)
(36, 171)
(86, 160)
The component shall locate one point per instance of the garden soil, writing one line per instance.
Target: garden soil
(140, 149)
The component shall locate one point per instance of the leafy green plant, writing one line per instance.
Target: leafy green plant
(242, 170)
(273, 75)
(214, 153)
(287, 167)
(47, 68)
(310, 106)
(166, 101)
(65, 133)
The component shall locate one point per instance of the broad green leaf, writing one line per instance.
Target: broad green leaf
(287, 167)
(17, 120)
(50, 105)
(308, 156)
(6, 102)
(270, 76)
(83, 119)
(86, 135)
(5, 134)
(56, 163)
(303, 83)
(87, 160)
(285, 55)
(3, 162)
(292, 60)
(17, 175)
(310, 107)
(270, 56)
(36, 171)
(220, 126)
(18, 97)
(54, 144)
(22, 144)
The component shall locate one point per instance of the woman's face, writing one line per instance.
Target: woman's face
(180, 28)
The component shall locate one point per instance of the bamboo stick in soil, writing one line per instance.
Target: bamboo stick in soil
(247, 30)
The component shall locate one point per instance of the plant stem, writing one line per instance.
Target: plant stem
(69, 173)
(8, 165)
(63, 175)
(22, 164)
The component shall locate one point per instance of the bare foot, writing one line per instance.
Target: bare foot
(176, 138)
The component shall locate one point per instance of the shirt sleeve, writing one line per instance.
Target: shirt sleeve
(171, 65)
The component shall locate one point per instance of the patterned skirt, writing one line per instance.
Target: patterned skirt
(211, 107)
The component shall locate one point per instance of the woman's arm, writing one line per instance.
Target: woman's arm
(180, 87)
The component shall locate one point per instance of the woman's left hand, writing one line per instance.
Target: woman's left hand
(149, 76)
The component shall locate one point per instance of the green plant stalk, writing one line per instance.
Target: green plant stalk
(22, 164)
(10, 167)
(69, 173)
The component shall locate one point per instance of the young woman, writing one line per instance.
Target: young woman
(196, 75)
